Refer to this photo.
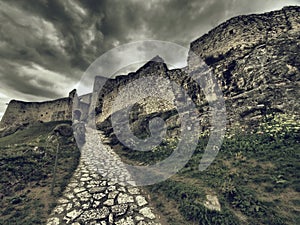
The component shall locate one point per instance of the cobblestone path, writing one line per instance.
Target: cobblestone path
(97, 193)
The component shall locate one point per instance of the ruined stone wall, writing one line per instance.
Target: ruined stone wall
(82, 103)
(85, 98)
(113, 87)
(254, 58)
(19, 112)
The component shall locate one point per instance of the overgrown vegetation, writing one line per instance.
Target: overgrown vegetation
(26, 172)
(255, 177)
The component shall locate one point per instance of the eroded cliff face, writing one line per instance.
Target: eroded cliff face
(256, 60)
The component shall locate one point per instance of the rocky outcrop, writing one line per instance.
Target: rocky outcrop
(256, 60)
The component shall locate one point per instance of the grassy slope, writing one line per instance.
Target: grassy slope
(255, 176)
(26, 171)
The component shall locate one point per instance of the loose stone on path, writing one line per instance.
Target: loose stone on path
(91, 198)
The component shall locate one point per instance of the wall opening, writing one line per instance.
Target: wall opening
(77, 115)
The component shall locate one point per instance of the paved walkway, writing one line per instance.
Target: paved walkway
(97, 193)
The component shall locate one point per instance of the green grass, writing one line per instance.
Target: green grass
(255, 177)
(31, 134)
(26, 172)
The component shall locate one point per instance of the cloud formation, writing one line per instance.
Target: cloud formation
(46, 45)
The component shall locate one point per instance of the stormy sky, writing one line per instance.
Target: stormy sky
(46, 45)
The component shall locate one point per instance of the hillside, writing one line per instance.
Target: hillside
(27, 162)
(254, 178)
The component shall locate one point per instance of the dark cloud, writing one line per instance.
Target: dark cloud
(46, 45)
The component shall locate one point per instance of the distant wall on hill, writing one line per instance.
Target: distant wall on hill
(19, 112)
